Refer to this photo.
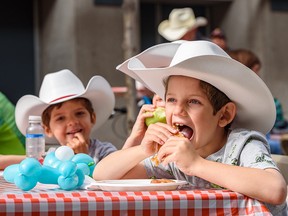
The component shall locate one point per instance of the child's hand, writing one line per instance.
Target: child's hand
(139, 127)
(156, 134)
(78, 144)
(181, 151)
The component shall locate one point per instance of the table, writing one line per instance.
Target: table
(49, 199)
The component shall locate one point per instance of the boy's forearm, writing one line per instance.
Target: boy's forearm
(118, 164)
(253, 182)
(130, 142)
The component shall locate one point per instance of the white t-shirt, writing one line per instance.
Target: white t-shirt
(243, 148)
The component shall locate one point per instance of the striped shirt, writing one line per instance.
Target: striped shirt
(98, 150)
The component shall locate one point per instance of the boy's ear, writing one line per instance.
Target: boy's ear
(227, 114)
(93, 118)
(47, 131)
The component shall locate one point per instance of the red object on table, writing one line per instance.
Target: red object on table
(44, 199)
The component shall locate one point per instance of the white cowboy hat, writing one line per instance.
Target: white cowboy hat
(63, 86)
(179, 23)
(208, 62)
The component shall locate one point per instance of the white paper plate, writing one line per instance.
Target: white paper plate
(133, 185)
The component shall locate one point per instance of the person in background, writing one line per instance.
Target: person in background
(248, 58)
(251, 60)
(208, 134)
(70, 112)
(12, 142)
(218, 37)
(144, 95)
(181, 25)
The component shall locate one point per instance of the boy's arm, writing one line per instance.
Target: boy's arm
(6, 160)
(265, 185)
(121, 164)
(125, 163)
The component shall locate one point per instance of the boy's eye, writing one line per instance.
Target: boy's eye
(194, 101)
(170, 100)
(80, 113)
(60, 118)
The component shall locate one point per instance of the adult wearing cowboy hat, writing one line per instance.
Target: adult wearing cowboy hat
(222, 109)
(60, 93)
(181, 25)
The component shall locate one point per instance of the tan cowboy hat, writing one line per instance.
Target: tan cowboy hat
(179, 23)
(208, 62)
(63, 86)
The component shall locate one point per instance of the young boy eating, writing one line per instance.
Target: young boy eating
(222, 109)
(70, 112)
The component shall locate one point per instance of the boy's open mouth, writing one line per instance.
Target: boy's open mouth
(74, 132)
(184, 130)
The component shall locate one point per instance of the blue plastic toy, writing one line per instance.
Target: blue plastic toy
(61, 167)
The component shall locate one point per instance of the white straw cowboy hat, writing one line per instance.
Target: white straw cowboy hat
(179, 23)
(206, 61)
(63, 86)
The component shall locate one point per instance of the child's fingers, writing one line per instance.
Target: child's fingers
(78, 144)
(163, 128)
(147, 108)
(173, 149)
(165, 154)
(79, 138)
(146, 111)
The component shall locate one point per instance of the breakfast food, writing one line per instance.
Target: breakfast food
(179, 134)
(154, 159)
(159, 181)
(158, 116)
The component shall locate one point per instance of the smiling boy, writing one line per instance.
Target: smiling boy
(217, 104)
(70, 112)
(70, 123)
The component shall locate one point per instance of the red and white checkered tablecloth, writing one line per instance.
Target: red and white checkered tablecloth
(48, 199)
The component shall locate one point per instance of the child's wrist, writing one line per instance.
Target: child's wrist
(133, 139)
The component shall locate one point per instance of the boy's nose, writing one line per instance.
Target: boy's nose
(179, 110)
(72, 121)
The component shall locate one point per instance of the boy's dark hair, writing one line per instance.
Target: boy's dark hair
(46, 115)
(216, 97)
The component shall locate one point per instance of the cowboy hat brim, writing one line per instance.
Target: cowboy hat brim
(98, 91)
(255, 104)
(172, 34)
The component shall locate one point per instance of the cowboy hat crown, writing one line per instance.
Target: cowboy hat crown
(61, 85)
